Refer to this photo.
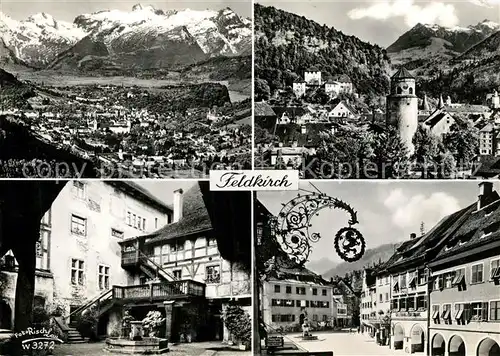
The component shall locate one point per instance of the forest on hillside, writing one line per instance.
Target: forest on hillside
(287, 44)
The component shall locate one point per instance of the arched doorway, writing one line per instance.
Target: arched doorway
(5, 315)
(417, 339)
(456, 347)
(488, 347)
(399, 336)
(437, 348)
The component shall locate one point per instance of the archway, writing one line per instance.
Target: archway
(417, 338)
(399, 335)
(438, 345)
(456, 347)
(5, 315)
(488, 347)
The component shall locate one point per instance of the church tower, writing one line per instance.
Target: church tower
(402, 106)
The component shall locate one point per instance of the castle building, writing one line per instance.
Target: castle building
(299, 88)
(312, 76)
(402, 106)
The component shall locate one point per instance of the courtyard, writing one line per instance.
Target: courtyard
(191, 349)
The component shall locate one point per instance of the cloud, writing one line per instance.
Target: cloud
(487, 3)
(409, 211)
(432, 13)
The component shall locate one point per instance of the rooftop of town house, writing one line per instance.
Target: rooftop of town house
(488, 167)
(290, 111)
(432, 120)
(195, 219)
(478, 229)
(419, 247)
(465, 108)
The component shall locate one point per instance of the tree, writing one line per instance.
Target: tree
(391, 154)
(426, 149)
(463, 142)
(262, 90)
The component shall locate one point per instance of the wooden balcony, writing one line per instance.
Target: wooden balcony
(130, 259)
(159, 291)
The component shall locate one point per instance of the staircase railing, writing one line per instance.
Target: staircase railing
(144, 257)
(101, 297)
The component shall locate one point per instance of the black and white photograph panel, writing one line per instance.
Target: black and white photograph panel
(368, 268)
(122, 90)
(377, 89)
(102, 267)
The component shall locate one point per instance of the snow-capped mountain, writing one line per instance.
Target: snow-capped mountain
(430, 47)
(456, 39)
(142, 37)
(38, 39)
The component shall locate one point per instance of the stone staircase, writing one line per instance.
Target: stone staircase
(74, 336)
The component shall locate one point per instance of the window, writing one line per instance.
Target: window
(435, 313)
(495, 310)
(459, 313)
(411, 91)
(448, 278)
(137, 222)
(103, 277)
(386, 297)
(411, 303)
(143, 224)
(395, 304)
(288, 289)
(116, 233)
(402, 304)
(325, 317)
(277, 288)
(77, 272)
(477, 273)
(421, 302)
(301, 290)
(403, 281)
(178, 274)
(315, 291)
(381, 298)
(156, 223)
(42, 250)
(212, 241)
(399, 90)
(78, 225)
(315, 317)
(213, 274)
(446, 313)
(79, 189)
(323, 292)
(494, 269)
(479, 311)
(459, 278)
(129, 218)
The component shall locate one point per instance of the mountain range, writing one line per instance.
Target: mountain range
(429, 48)
(142, 38)
(372, 256)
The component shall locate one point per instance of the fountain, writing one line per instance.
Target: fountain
(306, 334)
(133, 341)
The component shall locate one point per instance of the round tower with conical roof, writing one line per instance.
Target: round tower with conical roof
(402, 106)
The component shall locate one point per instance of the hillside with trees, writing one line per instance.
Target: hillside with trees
(287, 44)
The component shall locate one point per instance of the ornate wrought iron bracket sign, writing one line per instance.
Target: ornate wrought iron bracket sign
(291, 228)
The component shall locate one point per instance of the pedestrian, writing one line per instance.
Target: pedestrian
(359, 329)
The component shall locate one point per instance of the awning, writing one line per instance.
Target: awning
(395, 285)
(412, 280)
(495, 274)
(435, 315)
(459, 314)
(459, 278)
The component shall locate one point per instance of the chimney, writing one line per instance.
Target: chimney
(485, 191)
(178, 205)
(413, 236)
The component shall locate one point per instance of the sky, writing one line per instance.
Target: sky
(388, 211)
(67, 10)
(164, 190)
(383, 21)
